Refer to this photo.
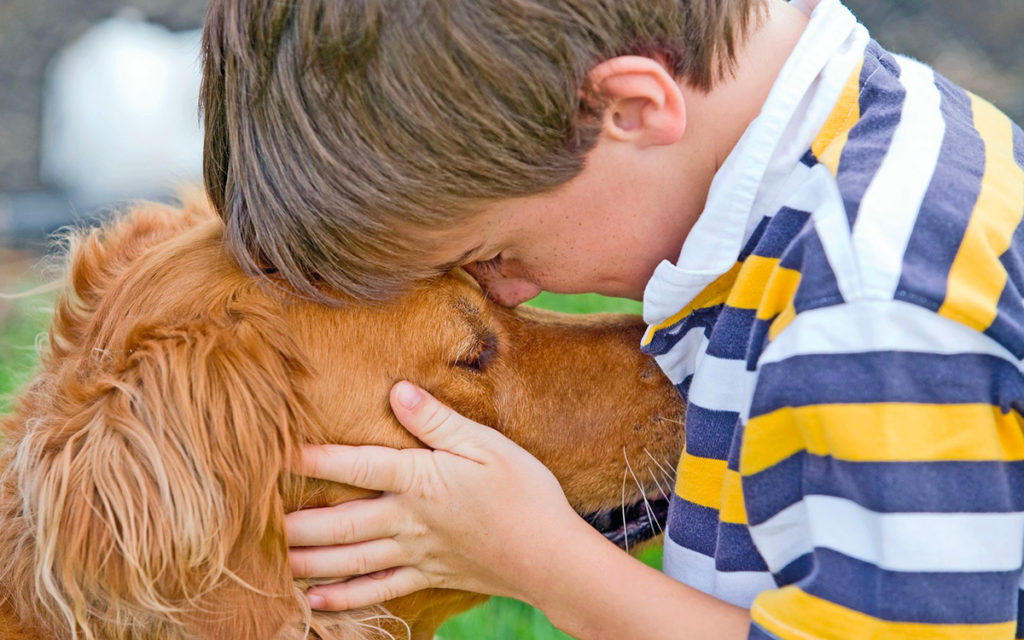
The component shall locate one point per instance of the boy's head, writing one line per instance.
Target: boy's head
(348, 140)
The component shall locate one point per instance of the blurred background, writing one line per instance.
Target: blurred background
(97, 105)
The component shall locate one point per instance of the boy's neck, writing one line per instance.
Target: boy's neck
(722, 115)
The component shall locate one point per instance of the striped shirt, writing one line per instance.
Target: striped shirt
(846, 323)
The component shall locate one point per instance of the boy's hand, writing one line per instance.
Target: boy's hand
(470, 514)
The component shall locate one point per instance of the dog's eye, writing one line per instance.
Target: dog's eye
(481, 355)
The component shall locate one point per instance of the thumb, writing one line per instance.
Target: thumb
(437, 425)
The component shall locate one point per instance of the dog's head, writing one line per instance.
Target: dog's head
(146, 467)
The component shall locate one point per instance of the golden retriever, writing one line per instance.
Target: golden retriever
(145, 468)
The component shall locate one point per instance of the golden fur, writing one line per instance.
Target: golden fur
(145, 468)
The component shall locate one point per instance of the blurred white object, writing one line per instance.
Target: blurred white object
(120, 116)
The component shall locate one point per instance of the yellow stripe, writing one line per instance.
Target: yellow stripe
(778, 293)
(733, 509)
(709, 483)
(713, 294)
(751, 282)
(699, 480)
(792, 614)
(782, 321)
(828, 146)
(977, 278)
(883, 432)
(777, 301)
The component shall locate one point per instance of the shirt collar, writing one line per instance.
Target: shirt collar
(714, 243)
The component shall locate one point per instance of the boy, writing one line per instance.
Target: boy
(844, 316)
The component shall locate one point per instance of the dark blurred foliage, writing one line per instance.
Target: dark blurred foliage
(976, 43)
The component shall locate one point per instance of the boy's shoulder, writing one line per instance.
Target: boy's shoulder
(917, 193)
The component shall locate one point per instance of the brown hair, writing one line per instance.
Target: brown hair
(340, 132)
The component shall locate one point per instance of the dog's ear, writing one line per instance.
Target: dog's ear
(157, 505)
(97, 257)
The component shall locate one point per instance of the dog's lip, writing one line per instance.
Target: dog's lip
(635, 523)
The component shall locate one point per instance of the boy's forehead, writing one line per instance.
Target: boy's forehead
(459, 243)
(469, 255)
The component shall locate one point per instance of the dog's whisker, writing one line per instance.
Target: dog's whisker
(670, 475)
(662, 479)
(664, 474)
(625, 529)
(643, 494)
(656, 463)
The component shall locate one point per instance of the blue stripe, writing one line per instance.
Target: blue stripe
(729, 336)
(758, 342)
(768, 492)
(736, 551)
(785, 225)
(1020, 615)
(808, 159)
(886, 376)
(947, 486)
(665, 339)
(818, 284)
(692, 526)
(881, 105)
(795, 571)
(755, 238)
(698, 528)
(947, 204)
(684, 387)
(709, 432)
(1008, 326)
(928, 598)
(885, 59)
(758, 633)
(733, 461)
(1018, 145)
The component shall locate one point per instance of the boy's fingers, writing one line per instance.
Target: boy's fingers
(367, 590)
(345, 560)
(434, 423)
(355, 521)
(367, 467)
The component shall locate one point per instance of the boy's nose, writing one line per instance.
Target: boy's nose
(507, 291)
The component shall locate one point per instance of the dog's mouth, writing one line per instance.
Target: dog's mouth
(632, 524)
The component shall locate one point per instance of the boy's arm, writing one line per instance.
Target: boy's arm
(479, 513)
(882, 460)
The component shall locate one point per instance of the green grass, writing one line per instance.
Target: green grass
(499, 619)
(20, 324)
(584, 303)
(505, 619)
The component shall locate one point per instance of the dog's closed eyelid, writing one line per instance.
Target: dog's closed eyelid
(482, 353)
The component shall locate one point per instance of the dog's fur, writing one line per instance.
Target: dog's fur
(145, 468)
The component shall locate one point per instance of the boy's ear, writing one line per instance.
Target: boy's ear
(642, 102)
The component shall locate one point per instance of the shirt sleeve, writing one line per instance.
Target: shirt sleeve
(882, 465)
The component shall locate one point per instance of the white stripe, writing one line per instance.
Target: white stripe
(681, 360)
(821, 197)
(889, 207)
(908, 542)
(698, 570)
(721, 384)
(784, 537)
(878, 325)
